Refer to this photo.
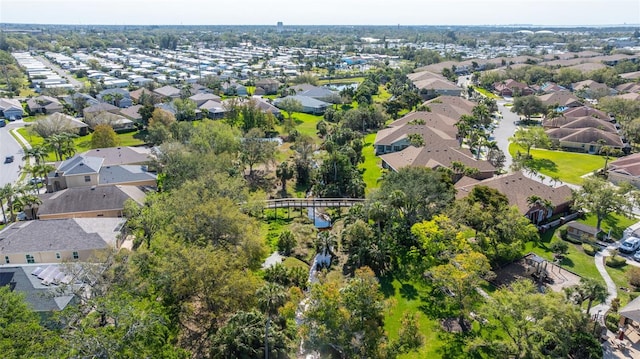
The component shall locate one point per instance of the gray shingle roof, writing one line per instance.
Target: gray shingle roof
(78, 165)
(124, 174)
(121, 155)
(57, 235)
(86, 199)
(39, 297)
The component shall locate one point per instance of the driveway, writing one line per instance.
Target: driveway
(63, 73)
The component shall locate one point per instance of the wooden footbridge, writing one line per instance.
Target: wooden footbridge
(311, 202)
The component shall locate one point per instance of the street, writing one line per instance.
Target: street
(63, 73)
(10, 172)
(504, 130)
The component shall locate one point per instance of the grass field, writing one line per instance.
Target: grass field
(306, 123)
(348, 80)
(568, 166)
(486, 93)
(408, 298)
(614, 222)
(371, 164)
(82, 143)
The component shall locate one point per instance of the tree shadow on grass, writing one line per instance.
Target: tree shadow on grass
(539, 164)
(567, 262)
(435, 305)
(408, 291)
(454, 346)
(386, 286)
(141, 135)
(612, 222)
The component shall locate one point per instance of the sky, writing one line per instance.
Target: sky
(322, 12)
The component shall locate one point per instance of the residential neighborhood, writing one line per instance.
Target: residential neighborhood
(296, 191)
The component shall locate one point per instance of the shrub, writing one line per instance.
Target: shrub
(286, 242)
(612, 321)
(588, 249)
(634, 276)
(559, 248)
(563, 232)
(615, 261)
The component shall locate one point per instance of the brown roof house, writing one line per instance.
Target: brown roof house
(592, 89)
(535, 200)
(267, 86)
(562, 99)
(430, 88)
(512, 88)
(625, 169)
(435, 155)
(44, 105)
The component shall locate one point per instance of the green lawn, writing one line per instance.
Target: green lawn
(568, 166)
(348, 80)
(82, 143)
(382, 96)
(485, 92)
(576, 260)
(619, 276)
(408, 298)
(306, 123)
(614, 222)
(371, 164)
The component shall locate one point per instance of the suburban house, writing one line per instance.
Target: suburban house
(315, 92)
(132, 113)
(201, 98)
(40, 297)
(81, 128)
(58, 240)
(122, 155)
(117, 97)
(234, 89)
(44, 105)
(580, 231)
(521, 190)
(625, 169)
(167, 91)
(435, 155)
(592, 89)
(80, 100)
(214, 109)
(309, 104)
(267, 87)
(433, 87)
(85, 202)
(118, 122)
(586, 111)
(95, 168)
(136, 95)
(582, 134)
(10, 109)
(450, 106)
(428, 126)
(511, 88)
(562, 99)
(266, 106)
(101, 107)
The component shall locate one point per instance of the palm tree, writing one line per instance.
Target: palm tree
(116, 98)
(270, 297)
(38, 153)
(9, 192)
(27, 201)
(326, 242)
(594, 291)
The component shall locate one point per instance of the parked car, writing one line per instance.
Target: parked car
(35, 180)
(8, 159)
(636, 256)
(630, 245)
(3, 122)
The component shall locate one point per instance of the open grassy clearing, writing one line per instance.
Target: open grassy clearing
(568, 166)
(82, 143)
(371, 165)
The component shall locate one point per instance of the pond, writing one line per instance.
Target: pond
(340, 87)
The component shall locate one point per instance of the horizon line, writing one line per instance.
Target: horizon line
(291, 25)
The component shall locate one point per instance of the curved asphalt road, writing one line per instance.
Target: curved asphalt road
(10, 172)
